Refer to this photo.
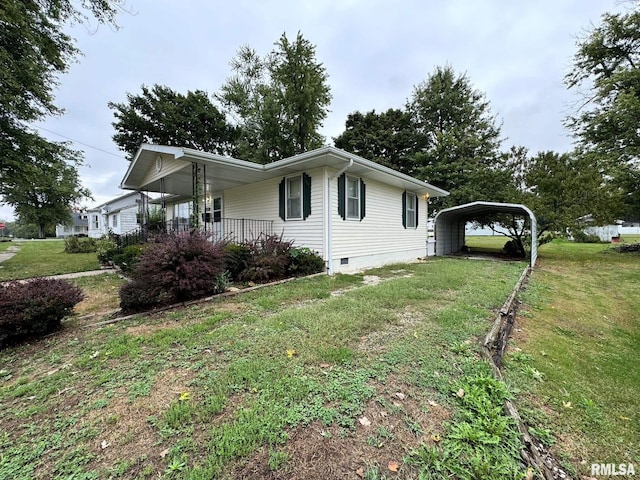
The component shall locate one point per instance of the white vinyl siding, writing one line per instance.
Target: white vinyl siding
(260, 201)
(381, 231)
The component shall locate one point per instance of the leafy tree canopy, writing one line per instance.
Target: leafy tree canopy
(34, 51)
(387, 138)
(445, 135)
(278, 101)
(164, 116)
(607, 69)
(457, 137)
(48, 201)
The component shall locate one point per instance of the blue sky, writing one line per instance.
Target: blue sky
(515, 52)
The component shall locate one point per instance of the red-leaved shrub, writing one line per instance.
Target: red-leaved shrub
(177, 268)
(268, 259)
(35, 307)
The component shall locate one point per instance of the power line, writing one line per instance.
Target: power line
(80, 143)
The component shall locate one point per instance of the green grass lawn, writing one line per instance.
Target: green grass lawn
(575, 354)
(321, 378)
(39, 258)
(327, 377)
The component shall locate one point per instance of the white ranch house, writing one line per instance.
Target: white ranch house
(353, 212)
(78, 225)
(120, 215)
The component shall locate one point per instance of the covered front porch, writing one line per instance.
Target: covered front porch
(190, 193)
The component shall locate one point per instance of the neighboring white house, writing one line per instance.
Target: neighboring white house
(79, 225)
(119, 215)
(353, 212)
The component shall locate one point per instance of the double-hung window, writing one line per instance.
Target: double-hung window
(353, 198)
(411, 210)
(294, 197)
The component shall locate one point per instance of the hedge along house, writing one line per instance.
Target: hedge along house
(353, 212)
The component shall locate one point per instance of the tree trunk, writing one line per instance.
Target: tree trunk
(41, 230)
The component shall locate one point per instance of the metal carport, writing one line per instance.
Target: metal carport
(450, 223)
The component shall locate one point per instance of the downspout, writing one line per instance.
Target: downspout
(330, 216)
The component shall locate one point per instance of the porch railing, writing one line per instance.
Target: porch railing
(235, 230)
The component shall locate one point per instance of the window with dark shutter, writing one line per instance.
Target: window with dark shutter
(341, 195)
(294, 197)
(409, 210)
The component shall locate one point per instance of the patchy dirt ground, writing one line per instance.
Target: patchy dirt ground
(384, 434)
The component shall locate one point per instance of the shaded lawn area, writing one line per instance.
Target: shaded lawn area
(575, 354)
(317, 378)
(40, 258)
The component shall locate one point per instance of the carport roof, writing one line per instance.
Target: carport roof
(475, 209)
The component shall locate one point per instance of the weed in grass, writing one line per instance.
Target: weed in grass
(175, 466)
(179, 414)
(481, 441)
(277, 459)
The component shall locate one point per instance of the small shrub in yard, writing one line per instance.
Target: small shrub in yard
(580, 236)
(269, 259)
(177, 268)
(127, 257)
(35, 308)
(237, 259)
(302, 261)
(106, 248)
(76, 244)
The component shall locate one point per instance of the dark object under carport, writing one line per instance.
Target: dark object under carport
(450, 224)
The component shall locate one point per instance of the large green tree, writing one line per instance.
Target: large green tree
(48, 201)
(387, 138)
(278, 101)
(34, 51)
(164, 116)
(606, 68)
(566, 192)
(458, 139)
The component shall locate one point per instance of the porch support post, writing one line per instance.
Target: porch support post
(204, 196)
(195, 186)
(163, 205)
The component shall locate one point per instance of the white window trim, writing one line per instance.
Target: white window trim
(286, 198)
(347, 197)
(414, 217)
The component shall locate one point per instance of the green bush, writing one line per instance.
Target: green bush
(302, 261)
(76, 244)
(236, 259)
(34, 308)
(127, 257)
(580, 236)
(178, 268)
(106, 248)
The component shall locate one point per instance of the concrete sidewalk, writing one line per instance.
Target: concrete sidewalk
(9, 252)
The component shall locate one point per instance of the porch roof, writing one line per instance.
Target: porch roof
(173, 164)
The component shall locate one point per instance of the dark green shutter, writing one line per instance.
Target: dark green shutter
(306, 196)
(417, 216)
(342, 179)
(404, 209)
(363, 190)
(282, 199)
